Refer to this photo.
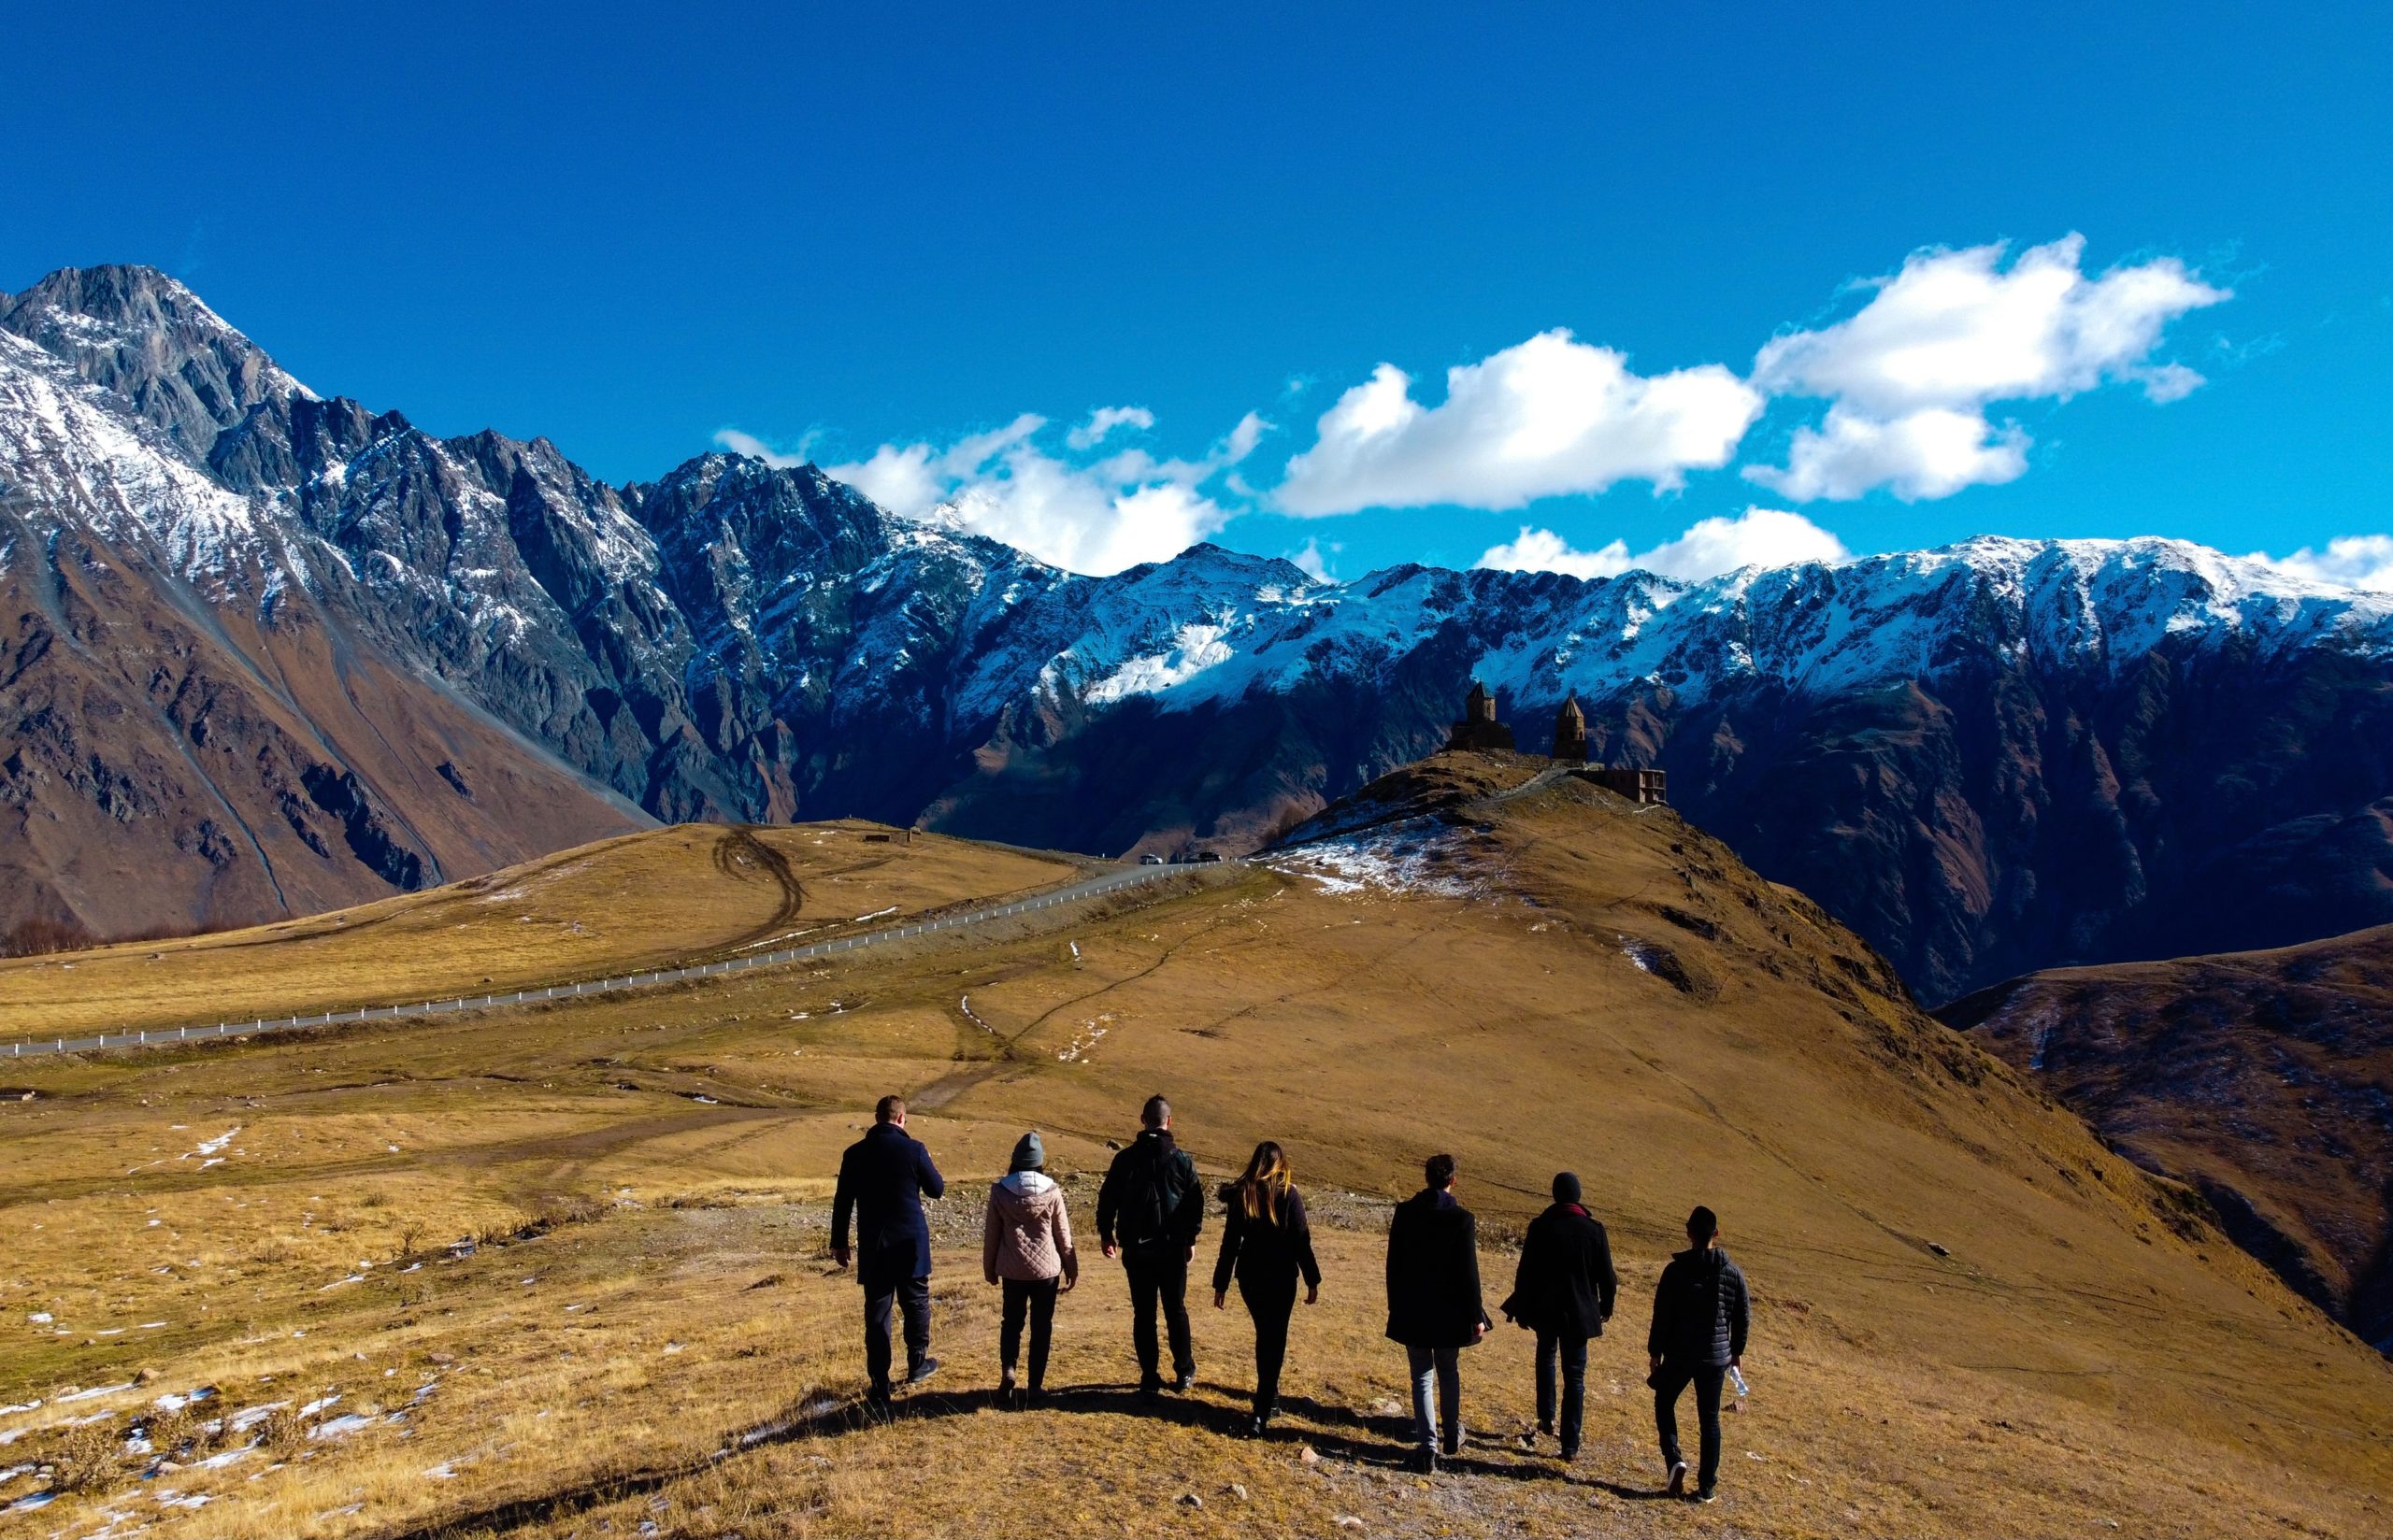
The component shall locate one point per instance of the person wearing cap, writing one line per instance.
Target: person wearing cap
(1026, 1247)
(1563, 1291)
(1698, 1334)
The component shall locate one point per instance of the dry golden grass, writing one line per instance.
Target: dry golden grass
(687, 894)
(2085, 1354)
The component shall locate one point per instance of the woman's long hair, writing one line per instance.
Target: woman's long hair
(1263, 1191)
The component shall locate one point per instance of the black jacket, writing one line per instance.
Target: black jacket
(1151, 1203)
(1699, 1310)
(884, 1178)
(1433, 1273)
(1264, 1255)
(1565, 1282)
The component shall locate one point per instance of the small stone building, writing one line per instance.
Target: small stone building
(1479, 728)
(1570, 732)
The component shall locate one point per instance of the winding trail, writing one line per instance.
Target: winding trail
(1072, 893)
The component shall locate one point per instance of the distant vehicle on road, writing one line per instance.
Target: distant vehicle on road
(1151, 858)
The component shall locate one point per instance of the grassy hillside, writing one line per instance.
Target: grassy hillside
(1970, 1317)
(2264, 1078)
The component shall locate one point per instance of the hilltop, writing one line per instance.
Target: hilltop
(1971, 1317)
(2262, 1079)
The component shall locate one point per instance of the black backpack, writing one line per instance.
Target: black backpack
(1151, 1197)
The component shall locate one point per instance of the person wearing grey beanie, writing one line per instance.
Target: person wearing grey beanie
(1026, 1248)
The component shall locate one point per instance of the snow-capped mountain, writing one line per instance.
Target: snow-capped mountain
(1988, 757)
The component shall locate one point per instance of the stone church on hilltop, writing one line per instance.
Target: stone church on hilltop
(1479, 731)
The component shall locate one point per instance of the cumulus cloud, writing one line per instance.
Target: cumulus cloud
(2351, 561)
(1552, 415)
(1932, 452)
(1095, 518)
(1314, 560)
(1757, 537)
(756, 448)
(1104, 420)
(1911, 375)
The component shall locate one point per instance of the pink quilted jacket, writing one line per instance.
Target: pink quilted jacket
(1028, 1236)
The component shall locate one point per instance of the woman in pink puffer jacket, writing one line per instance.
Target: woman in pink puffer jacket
(1026, 1246)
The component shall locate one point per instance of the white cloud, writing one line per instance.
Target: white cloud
(1911, 375)
(1314, 560)
(1758, 538)
(1932, 452)
(756, 448)
(1100, 518)
(1104, 420)
(1553, 415)
(2350, 561)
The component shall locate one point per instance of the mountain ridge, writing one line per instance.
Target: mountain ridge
(1931, 742)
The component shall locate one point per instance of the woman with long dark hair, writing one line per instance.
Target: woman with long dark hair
(1267, 1245)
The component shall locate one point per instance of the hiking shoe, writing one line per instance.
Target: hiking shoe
(1424, 1460)
(1705, 1494)
(922, 1371)
(1678, 1478)
(1569, 1453)
(1453, 1446)
(1187, 1381)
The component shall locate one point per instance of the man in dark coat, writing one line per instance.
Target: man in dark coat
(1149, 1212)
(1433, 1304)
(1563, 1291)
(1698, 1335)
(883, 1178)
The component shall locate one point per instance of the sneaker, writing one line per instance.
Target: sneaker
(1454, 1445)
(1569, 1453)
(1705, 1494)
(1257, 1426)
(1424, 1460)
(1150, 1386)
(1186, 1382)
(1004, 1385)
(922, 1371)
(1678, 1478)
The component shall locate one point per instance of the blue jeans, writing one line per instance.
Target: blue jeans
(1436, 1386)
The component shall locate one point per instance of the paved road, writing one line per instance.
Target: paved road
(1104, 882)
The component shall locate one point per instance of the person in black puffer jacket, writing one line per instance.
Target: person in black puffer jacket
(1697, 1336)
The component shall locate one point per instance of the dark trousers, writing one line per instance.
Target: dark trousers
(1674, 1378)
(1567, 1351)
(1160, 1278)
(912, 1296)
(1035, 1299)
(1270, 1305)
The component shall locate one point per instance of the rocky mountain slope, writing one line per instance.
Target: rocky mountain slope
(2263, 1078)
(1988, 757)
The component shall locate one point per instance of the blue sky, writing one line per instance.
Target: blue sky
(873, 234)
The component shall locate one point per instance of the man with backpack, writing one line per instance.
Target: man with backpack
(1149, 1212)
(1698, 1334)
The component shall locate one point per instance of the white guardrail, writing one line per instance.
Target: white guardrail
(157, 1036)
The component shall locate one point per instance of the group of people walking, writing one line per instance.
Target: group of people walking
(1149, 1214)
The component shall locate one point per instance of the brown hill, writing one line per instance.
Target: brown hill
(1972, 1318)
(2263, 1078)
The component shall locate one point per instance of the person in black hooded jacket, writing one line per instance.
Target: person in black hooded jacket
(1698, 1334)
(1563, 1291)
(1149, 1212)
